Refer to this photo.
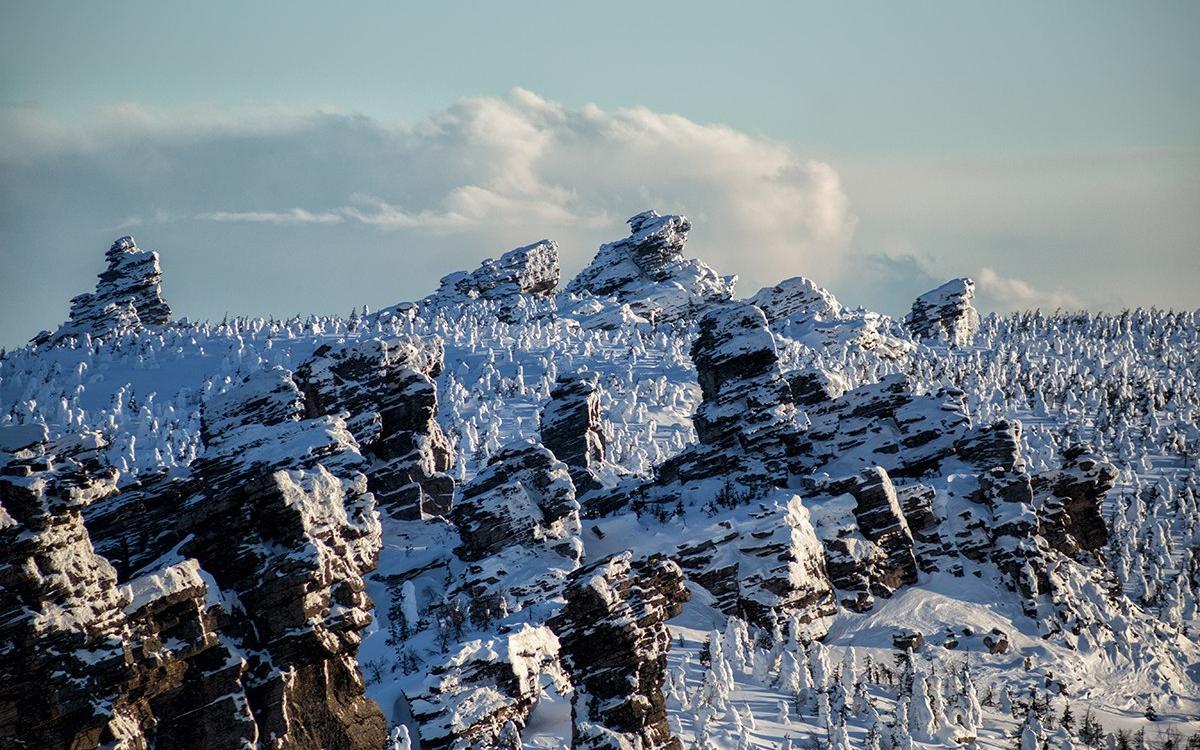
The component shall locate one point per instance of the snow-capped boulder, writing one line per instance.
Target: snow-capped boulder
(531, 271)
(746, 421)
(647, 271)
(946, 313)
(885, 424)
(614, 642)
(767, 568)
(796, 297)
(572, 429)
(387, 387)
(481, 686)
(519, 525)
(128, 296)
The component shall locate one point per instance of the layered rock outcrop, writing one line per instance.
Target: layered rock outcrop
(128, 296)
(571, 428)
(519, 525)
(764, 567)
(946, 313)
(244, 631)
(387, 388)
(746, 421)
(529, 271)
(648, 272)
(614, 644)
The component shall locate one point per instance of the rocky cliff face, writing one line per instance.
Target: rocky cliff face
(946, 313)
(614, 643)
(387, 388)
(245, 632)
(128, 296)
(571, 428)
(647, 272)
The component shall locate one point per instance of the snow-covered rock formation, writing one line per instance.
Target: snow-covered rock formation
(386, 386)
(614, 641)
(946, 313)
(648, 272)
(572, 429)
(881, 540)
(128, 296)
(529, 271)
(799, 310)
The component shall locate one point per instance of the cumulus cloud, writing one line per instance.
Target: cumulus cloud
(247, 202)
(1007, 294)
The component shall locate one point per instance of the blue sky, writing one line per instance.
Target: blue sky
(294, 157)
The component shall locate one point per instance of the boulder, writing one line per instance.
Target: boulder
(946, 313)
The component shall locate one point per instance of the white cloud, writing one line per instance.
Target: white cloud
(1007, 294)
(484, 172)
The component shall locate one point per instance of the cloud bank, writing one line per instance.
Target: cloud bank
(265, 195)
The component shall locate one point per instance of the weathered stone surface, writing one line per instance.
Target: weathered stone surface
(991, 446)
(946, 313)
(815, 386)
(519, 525)
(746, 421)
(765, 568)
(387, 387)
(648, 272)
(571, 428)
(128, 296)
(529, 271)
(1078, 489)
(886, 424)
(614, 643)
(881, 520)
(481, 685)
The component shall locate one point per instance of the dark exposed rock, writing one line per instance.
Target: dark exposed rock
(946, 313)
(614, 643)
(62, 627)
(881, 521)
(815, 386)
(908, 639)
(128, 296)
(996, 641)
(142, 523)
(1077, 490)
(648, 272)
(746, 422)
(288, 493)
(571, 428)
(997, 444)
(387, 388)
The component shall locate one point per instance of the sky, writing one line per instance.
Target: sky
(306, 157)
